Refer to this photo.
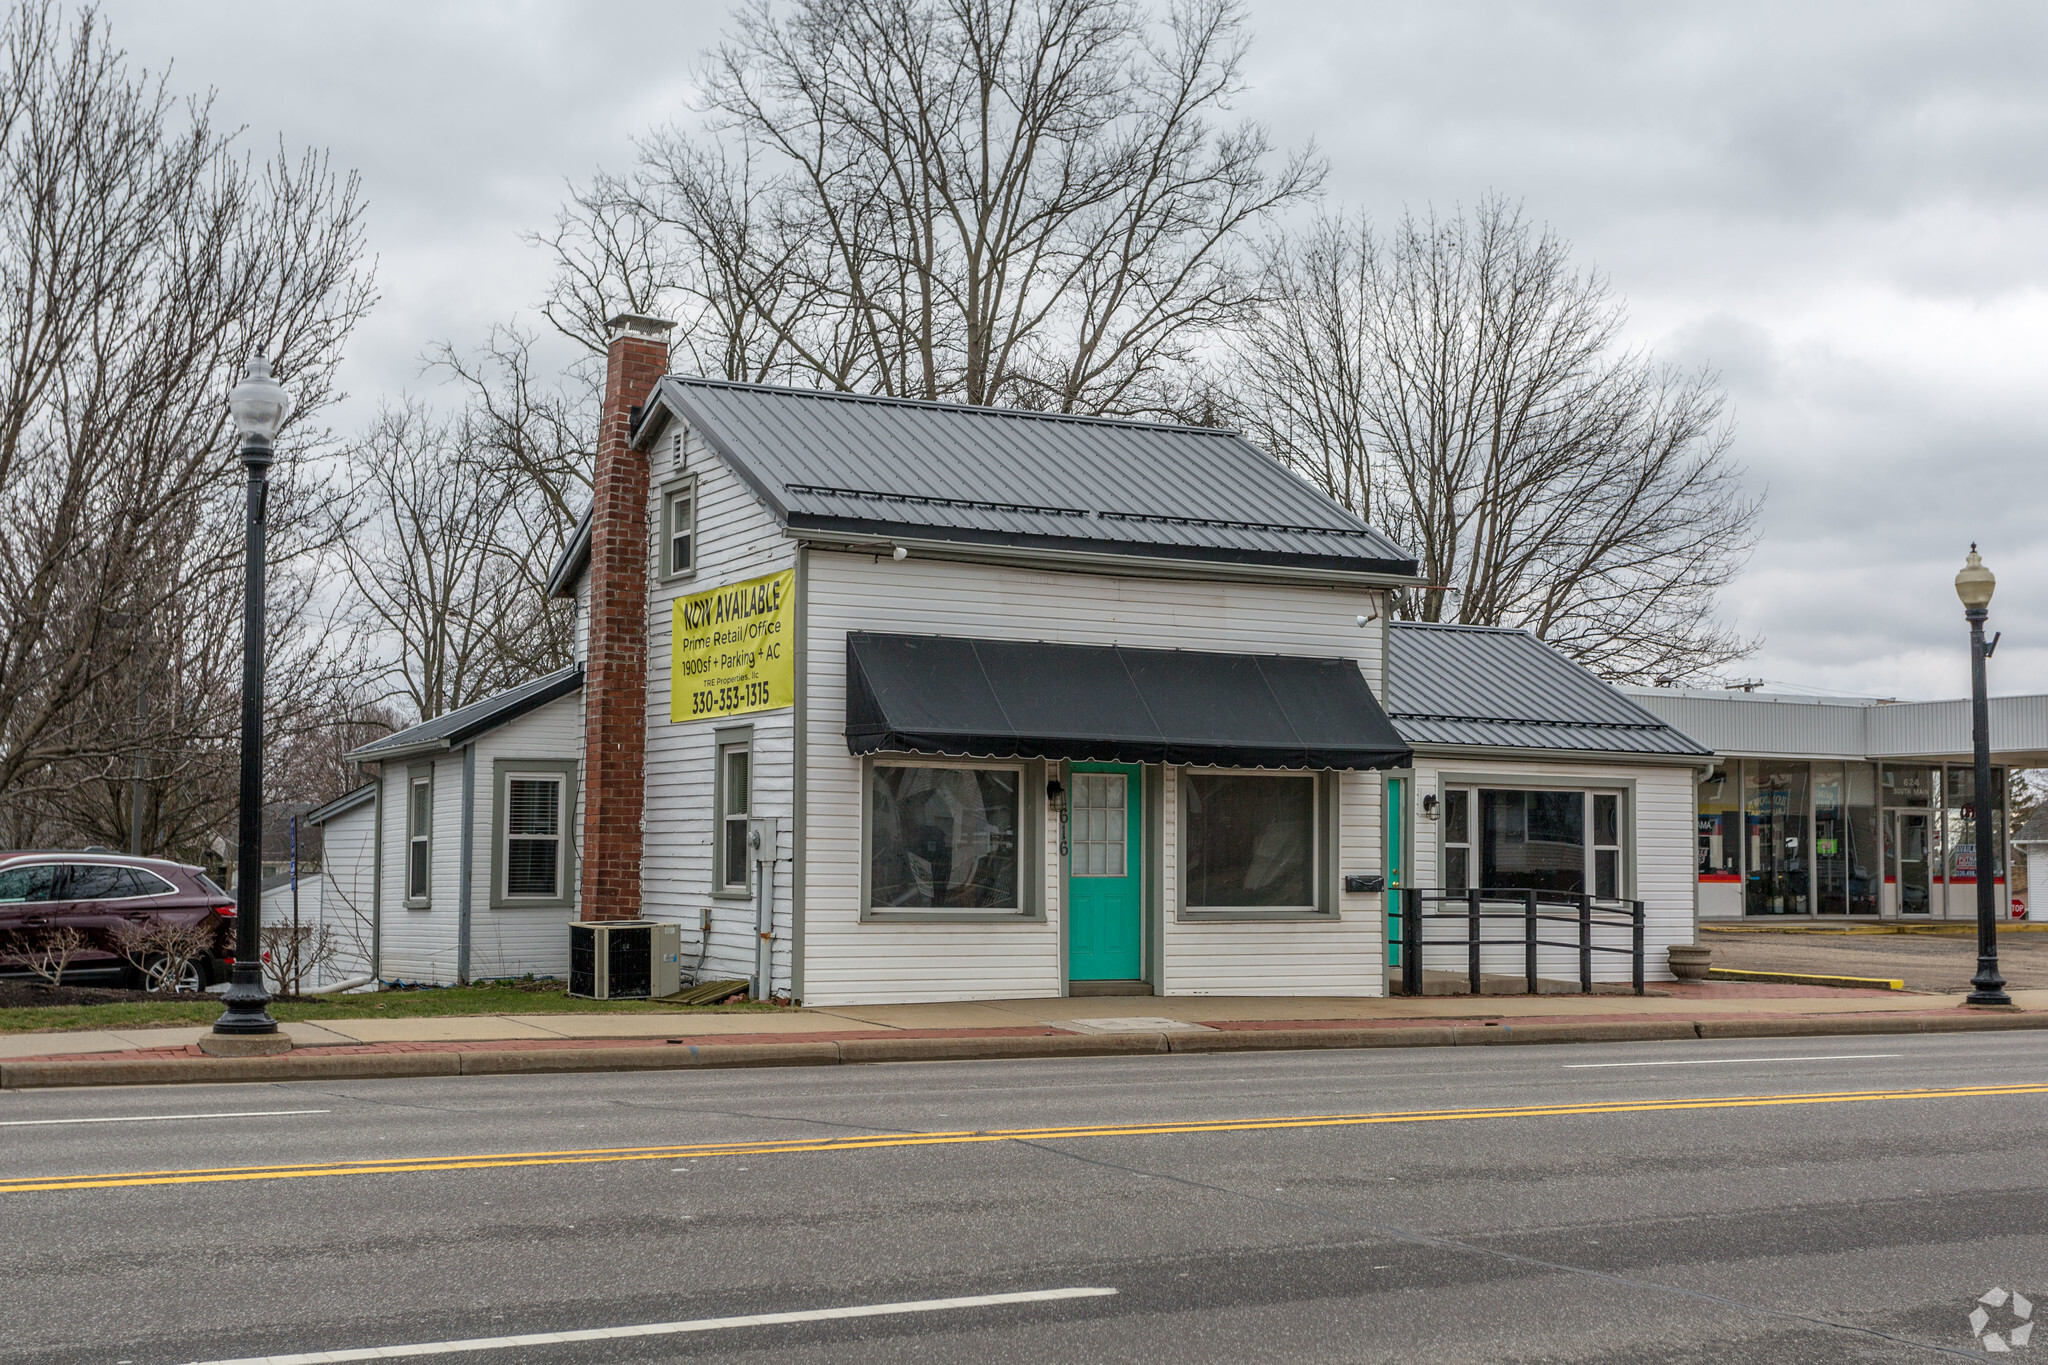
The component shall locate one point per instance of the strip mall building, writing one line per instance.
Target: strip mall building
(1822, 807)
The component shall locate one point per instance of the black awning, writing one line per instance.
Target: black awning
(932, 694)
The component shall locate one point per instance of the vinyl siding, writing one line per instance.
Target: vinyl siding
(419, 945)
(850, 962)
(513, 942)
(345, 889)
(1664, 824)
(1279, 957)
(736, 539)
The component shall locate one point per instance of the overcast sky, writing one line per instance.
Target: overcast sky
(1841, 207)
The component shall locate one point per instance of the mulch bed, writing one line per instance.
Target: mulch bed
(16, 995)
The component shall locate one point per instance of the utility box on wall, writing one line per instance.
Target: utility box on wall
(625, 960)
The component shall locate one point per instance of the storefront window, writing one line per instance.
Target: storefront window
(1959, 791)
(1904, 786)
(1250, 841)
(1720, 834)
(944, 838)
(1532, 840)
(1775, 811)
(1845, 838)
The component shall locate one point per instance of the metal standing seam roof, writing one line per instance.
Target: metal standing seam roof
(464, 723)
(1493, 687)
(844, 462)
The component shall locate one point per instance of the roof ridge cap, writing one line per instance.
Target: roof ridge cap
(939, 405)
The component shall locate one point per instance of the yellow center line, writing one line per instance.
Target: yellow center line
(871, 1142)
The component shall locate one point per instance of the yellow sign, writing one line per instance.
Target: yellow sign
(731, 650)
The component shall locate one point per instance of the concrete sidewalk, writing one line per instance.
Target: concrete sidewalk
(477, 1044)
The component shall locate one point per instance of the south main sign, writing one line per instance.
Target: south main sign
(731, 650)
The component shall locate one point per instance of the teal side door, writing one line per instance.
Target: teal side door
(1105, 873)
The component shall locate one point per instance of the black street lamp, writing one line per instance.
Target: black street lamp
(259, 405)
(1974, 585)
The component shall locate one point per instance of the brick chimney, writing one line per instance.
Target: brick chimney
(615, 663)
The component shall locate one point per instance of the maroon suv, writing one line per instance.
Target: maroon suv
(113, 901)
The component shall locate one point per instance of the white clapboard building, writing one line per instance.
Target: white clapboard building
(910, 701)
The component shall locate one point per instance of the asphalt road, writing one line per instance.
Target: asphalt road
(1655, 1219)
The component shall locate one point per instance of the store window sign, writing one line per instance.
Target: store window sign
(731, 649)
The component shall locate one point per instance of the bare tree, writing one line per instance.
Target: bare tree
(296, 955)
(1462, 386)
(50, 953)
(141, 259)
(161, 952)
(1024, 202)
(455, 522)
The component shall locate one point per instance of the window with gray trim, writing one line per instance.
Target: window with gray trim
(419, 835)
(952, 840)
(1252, 842)
(1549, 838)
(732, 802)
(533, 830)
(679, 529)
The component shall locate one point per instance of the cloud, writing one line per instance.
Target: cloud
(1837, 205)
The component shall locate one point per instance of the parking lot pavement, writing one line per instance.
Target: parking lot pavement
(1943, 961)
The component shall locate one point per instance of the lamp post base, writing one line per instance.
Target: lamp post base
(248, 1004)
(1990, 986)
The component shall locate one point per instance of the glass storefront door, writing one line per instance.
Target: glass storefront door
(1909, 868)
(1777, 868)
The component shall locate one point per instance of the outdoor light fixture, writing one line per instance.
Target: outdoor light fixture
(899, 553)
(1974, 585)
(259, 406)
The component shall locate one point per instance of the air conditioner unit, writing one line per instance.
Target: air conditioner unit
(625, 959)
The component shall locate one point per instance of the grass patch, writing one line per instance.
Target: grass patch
(494, 997)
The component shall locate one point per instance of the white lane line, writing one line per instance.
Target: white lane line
(1737, 1061)
(162, 1118)
(662, 1329)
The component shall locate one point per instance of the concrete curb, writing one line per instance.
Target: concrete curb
(309, 1064)
(1851, 983)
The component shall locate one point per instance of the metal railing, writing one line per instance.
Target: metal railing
(1415, 910)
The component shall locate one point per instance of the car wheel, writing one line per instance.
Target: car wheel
(158, 978)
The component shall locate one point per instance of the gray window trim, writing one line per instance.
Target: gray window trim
(1588, 783)
(416, 773)
(1030, 838)
(670, 487)
(503, 770)
(1324, 857)
(724, 738)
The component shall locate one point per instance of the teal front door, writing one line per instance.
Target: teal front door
(1105, 904)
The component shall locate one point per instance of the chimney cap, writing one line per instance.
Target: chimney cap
(638, 325)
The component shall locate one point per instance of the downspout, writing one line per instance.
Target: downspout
(798, 822)
(462, 879)
(377, 883)
(764, 917)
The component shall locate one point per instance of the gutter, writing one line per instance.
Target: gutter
(1099, 561)
(462, 882)
(377, 883)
